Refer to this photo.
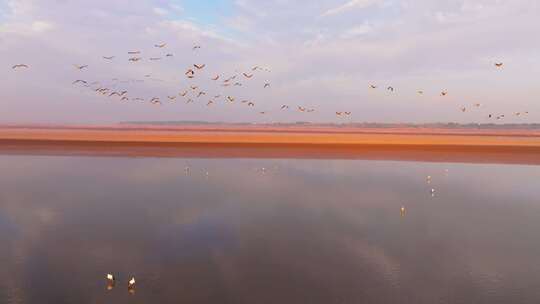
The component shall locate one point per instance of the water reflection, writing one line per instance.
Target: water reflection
(304, 231)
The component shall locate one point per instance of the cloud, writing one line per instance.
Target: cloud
(356, 31)
(352, 4)
(418, 44)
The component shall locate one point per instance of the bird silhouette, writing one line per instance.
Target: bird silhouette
(134, 52)
(284, 107)
(372, 86)
(247, 75)
(160, 45)
(135, 59)
(108, 57)
(80, 67)
(79, 81)
(183, 93)
(391, 89)
(499, 64)
(444, 93)
(216, 77)
(169, 55)
(196, 47)
(154, 58)
(199, 66)
(19, 66)
(266, 85)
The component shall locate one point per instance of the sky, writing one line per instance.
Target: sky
(321, 55)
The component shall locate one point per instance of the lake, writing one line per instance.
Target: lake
(267, 231)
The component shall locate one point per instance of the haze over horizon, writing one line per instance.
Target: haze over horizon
(322, 55)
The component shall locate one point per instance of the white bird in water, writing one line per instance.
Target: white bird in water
(131, 285)
(110, 281)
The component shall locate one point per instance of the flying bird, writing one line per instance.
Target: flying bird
(348, 113)
(339, 113)
(124, 98)
(169, 55)
(183, 93)
(172, 97)
(210, 102)
(247, 75)
(237, 84)
(201, 93)
(372, 86)
(199, 66)
(266, 85)
(231, 99)
(135, 59)
(134, 52)
(444, 93)
(216, 78)
(284, 107)
(79, 81)
(194, 87)
(160, 45)
(80, 67)
(108, 57)
(196, 47)
(155, 58)
(18, 66)
(251, 104)
(190, 73)
(391, 89)
(463, 109)
(499, 64)
(420, 92)
(301, 109)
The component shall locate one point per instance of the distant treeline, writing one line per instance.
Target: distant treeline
(450, 125)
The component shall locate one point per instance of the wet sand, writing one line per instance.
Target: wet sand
(482, 146)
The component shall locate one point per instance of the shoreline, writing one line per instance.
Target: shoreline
(436, 146)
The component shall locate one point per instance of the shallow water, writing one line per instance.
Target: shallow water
(297, 231)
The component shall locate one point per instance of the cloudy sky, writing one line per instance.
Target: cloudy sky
(321, 54)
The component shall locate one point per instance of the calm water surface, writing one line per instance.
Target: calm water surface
(297, 231)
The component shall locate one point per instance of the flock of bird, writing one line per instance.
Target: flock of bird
(194, 93)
